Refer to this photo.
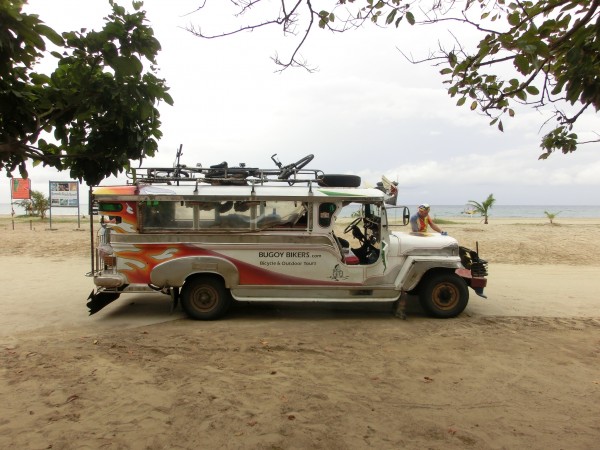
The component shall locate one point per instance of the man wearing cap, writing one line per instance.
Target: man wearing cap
(421, 220)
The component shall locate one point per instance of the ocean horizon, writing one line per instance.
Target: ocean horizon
(439, 211)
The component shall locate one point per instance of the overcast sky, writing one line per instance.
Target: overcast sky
(366, 111)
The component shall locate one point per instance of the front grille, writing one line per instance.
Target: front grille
(479, 268)
(470, 260)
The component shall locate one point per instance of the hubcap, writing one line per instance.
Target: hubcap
(205, 299)
(445, 296)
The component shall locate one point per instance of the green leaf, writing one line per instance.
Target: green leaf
(391, 16)
(410, 17)
(474, 105)
(461, 101)
(168, 99)
(532, 90)
(521, 63)
(452, 59)
(514, 18)
(146, 110)
(126, 66)
(52, 35)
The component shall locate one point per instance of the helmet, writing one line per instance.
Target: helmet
(425, 207)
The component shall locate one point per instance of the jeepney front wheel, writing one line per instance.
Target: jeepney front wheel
(205, 298)
(444, 295)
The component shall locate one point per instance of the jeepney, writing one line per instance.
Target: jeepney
(207, 237)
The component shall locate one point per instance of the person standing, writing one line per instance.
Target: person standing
(421, 220)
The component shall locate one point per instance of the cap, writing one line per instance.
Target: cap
(425, 206)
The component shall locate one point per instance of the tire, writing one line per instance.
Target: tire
(205, 298)
(444, 295)
(335, 180)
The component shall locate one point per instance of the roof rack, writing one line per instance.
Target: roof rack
(222, 174)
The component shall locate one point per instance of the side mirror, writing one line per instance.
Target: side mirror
(405, 216)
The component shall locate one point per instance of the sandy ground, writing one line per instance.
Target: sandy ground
(517, 370)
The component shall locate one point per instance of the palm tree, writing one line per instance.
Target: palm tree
(483, 207)
(551, 215)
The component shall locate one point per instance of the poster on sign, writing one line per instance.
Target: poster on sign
(64, 194)
(20, 188)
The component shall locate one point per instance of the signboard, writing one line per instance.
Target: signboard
(94, 208)
(64, 194)
(20, 188)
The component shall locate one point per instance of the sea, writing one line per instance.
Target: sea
(438, 211)
(515, 211)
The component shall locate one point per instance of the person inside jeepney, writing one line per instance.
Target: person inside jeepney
(158, 214)
(421, 220)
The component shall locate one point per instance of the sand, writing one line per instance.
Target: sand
(517, 370)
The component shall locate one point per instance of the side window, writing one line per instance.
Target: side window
(281, 214)
(326, 211)
(228, 215)
(157, 215)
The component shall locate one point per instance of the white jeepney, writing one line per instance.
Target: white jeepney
(209, 237)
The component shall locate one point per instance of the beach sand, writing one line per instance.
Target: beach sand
(518, 370)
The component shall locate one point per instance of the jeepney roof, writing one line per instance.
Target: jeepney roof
(202, 192)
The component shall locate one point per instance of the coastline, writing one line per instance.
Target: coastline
(557, 221)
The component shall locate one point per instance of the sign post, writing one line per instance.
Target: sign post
(64, 194)
(20, 189)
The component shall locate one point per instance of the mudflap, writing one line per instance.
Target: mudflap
(97, 301)
(175, 298)
(399, 308)
(479, 291)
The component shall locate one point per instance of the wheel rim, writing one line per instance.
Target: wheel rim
(204, 298)
(445, 296)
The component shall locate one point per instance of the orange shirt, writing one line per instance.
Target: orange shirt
(419, 223)
(423, 223)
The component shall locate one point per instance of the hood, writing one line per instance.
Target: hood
(424, 244)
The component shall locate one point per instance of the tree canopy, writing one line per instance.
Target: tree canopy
(96, 111)
(543, 54)
(36, 206)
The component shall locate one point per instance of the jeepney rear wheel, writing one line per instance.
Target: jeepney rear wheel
(205, 298)
(444, 295)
